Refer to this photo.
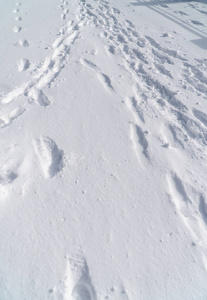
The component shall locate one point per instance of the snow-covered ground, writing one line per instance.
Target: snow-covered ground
(103, 160)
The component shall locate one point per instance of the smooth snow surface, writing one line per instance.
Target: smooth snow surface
(103, 160)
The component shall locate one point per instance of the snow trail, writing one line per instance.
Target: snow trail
(103, 148)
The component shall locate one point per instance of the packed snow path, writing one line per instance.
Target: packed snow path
(103, 125)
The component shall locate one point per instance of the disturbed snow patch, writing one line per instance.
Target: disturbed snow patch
(49, 155)
(78, 282)
(39, 97)
(23, 64)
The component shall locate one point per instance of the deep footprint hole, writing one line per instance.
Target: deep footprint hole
(81, 292)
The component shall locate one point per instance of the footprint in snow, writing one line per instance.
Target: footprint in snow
(39, 97)
(197, 23)
(17, 29)
(139, 140)
(130, 23)
(7, 177)
(111, 49)
(23, 43)
(49, 155)
(89, 64)
(106, 81)
(135, 108)
(23, 64)
(13, 163)
(63, 16)
(18, 19)
(78, 282)
(200, 116)
(189, 209)
(164, 5)
(182, 13)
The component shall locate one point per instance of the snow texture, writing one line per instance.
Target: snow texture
(103, 123)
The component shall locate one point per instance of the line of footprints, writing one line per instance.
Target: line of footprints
(64, 9)
(23, 63)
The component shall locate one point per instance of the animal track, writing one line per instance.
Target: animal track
(45, 73)
(117, 293)
(23, 43)
(63, 16)
(23, 64)
(18, 18)
(17, 29)
(49, 155)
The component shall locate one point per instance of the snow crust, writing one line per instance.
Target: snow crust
(103, 124)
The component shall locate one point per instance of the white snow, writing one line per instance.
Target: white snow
(103, 123)
(23, 64)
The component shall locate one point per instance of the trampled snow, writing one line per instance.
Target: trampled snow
(103, 123)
